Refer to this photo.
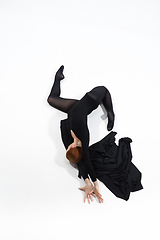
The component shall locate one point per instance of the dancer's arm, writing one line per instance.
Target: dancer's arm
(82, 170)
(87, 162)
(91, 172)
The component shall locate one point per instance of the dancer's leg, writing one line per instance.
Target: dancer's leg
(107, 102)
(54, 98)
(101, 94)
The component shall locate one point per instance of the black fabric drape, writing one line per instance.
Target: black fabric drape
(112, 163)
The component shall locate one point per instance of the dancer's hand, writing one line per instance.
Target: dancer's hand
(95, 191)
(87, 189)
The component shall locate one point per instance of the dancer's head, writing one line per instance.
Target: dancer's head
(74, 155)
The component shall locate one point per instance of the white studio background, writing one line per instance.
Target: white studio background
(100, 42)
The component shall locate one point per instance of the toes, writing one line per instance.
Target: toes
(61, 69)
(59, 73)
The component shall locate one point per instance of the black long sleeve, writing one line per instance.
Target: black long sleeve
(82, 170)
(77, 122)
(67, 140)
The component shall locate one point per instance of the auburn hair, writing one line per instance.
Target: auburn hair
(74, 154)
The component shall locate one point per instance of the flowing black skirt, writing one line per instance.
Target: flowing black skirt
(113, 166)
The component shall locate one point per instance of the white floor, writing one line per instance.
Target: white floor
(112, 43)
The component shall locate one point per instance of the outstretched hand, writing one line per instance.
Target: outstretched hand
(95, 192)
(91, 191)
(87, 189)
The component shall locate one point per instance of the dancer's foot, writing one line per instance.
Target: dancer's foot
(59, 74)
(110, 121)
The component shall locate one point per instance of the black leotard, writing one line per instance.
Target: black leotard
(77, 122)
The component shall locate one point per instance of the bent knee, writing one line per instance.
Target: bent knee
(103, 88)
(49, 100)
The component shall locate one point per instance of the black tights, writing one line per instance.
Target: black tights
(100, 94)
